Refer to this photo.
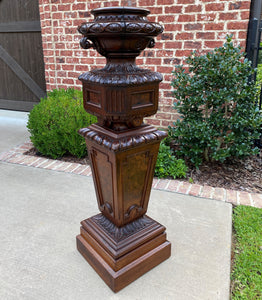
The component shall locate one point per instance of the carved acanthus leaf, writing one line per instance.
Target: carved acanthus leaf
(121, 75)
(120, 233)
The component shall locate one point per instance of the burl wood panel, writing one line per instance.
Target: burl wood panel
(123, 177)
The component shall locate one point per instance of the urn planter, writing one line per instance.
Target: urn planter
(122, 242)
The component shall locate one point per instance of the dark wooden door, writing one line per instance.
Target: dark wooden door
(22, 80)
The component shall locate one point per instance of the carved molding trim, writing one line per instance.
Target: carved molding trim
(105, 25)
(121, 143)
(121, 233)
(126, 74)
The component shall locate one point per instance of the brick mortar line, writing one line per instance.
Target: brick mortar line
(166, 187)
(29, 165)
(251, 200)
(238, 198)
(11, 154)
(57, 166)
(225, 195)
(188, 189)
(178, 186)
(41, 163)
(51, 162)
(83, 170)
(212, 193)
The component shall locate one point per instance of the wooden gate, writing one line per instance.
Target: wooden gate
(22, 80)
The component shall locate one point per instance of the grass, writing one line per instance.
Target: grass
(246, 276)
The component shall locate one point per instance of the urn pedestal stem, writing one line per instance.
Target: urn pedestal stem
(122, 242)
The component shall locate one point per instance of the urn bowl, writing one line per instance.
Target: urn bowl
(119, 31)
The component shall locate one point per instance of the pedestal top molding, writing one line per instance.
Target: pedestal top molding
(125, 140)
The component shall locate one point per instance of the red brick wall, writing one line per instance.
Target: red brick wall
(189, 25)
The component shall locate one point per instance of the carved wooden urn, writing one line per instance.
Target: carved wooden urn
(121, 243)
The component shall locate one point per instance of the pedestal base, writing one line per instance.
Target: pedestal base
(121, 255)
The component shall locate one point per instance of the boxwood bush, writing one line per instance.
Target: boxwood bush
(168, 165)
(217, 104)
(54, 122)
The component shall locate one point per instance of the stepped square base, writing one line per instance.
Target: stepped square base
(121, 255)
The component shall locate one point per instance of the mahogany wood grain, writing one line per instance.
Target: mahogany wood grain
(117, 280)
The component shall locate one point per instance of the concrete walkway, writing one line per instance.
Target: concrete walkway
(12, 129)
(40, 212)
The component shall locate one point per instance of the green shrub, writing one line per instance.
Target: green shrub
(168, 165)
(54, 122)
(217, 106)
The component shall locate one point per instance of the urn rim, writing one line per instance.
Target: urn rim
(120, 10)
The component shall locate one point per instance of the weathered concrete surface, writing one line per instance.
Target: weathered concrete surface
(12, 129)
(40, 211)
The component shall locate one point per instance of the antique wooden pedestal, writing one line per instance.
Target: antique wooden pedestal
(121, 243)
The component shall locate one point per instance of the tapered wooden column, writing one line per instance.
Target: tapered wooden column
(121, 243)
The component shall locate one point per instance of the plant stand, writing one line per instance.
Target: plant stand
(121, 243)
